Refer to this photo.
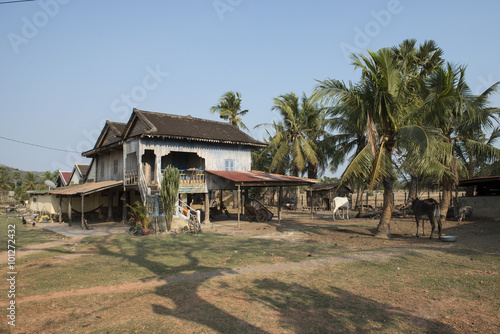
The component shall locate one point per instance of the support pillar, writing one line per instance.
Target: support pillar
(110, 206)
(207, 208)
(70, 223)
(279, 204)
(83, 212)
(124, 208)
(311, 204)
(60, 209)
(239, 204)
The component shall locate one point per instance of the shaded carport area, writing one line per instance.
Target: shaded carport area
(242, 181)
(81, 191)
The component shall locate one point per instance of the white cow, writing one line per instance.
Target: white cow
(341, 203)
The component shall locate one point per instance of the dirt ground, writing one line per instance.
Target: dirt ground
(352, 235)
(357, 233)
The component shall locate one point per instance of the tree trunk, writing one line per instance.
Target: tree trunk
(359, 195)
(413, 191)
(312, 171)
(299, 202)
(448, 186)
(446, 200)
(384, 225)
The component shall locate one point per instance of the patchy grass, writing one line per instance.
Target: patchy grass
(422, 296)
(25, 234)
(124, 258)
(431, 288)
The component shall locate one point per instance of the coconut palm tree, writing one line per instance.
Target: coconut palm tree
(296, 135)
(30, 182)
(347, 120)
(229, 108)
(4, 179)
(51, 176)
(383, 100)
(461, 120)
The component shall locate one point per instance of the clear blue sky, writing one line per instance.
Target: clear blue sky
(68, 65)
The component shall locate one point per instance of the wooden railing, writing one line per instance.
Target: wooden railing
(143, 186)
(131, 177)
(191, 176)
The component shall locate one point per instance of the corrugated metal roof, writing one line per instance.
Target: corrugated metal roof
(258, 178)
(86, 188)
(478, 180)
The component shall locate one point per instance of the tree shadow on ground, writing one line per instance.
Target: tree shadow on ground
(189, 305)
(301, 308)
(307, 310)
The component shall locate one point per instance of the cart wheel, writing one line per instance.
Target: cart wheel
(261, 215)
(194, 224)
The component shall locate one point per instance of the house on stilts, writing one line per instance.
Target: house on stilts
(128, 160)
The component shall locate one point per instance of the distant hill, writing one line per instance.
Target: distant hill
(21, 172)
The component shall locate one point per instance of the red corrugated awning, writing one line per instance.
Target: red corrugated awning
(261, 179)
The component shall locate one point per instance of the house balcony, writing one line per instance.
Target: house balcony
(191, 176)
(131, 177)
(190, 181)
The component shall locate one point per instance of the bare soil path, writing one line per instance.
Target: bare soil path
(381, 255)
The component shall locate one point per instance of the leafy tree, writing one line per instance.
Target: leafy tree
(384, 98)
(460, 119)
(229, 108)
(4, 179)
(31, 182)
(348, 119)
(294, 135)
(51, 176)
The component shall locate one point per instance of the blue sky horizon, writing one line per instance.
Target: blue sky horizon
(67, 66)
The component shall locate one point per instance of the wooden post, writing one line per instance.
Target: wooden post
(110, 206)
(375, 200)
(70, 223)
(207, 208)
(124, 208)
(279, 204)
(239, 199)
(83, 210)
(311, 204)
(60, 209)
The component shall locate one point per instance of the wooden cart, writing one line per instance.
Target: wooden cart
(256, 211)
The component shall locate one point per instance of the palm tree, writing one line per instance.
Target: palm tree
(295, 135)
(30, 182)
(4, 179)
(47, 175)
(384, 99)
(263, 158)
(229, 108)
(460, 119)
(348, 120)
